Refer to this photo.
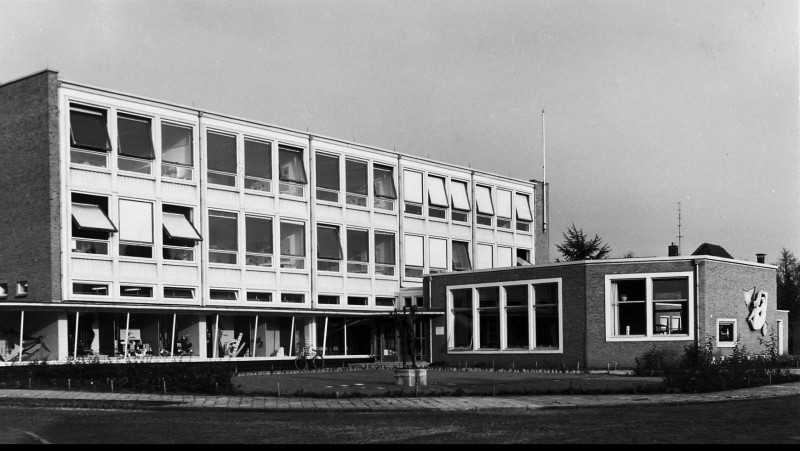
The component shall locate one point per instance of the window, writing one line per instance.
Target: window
(22, 288)
(328, 184)
(91, 228)
(524, 216)
(356, 183)
(177, 156)
(291, 298)
(223, 295)
(523, 257)
(178, 293)
(89, 142)
(414, 261)
(357, 300)
(384, 301)
(503, 209)
(384, 254)
(727, 332)
(258, 241)
(292, 171)
(135, 291)
(649, 305)
(328, 300)
(135, 229)
(179, 235)
(135, 144)
(483, 197)
(461, 260)
(257, 165)
(357, 251)
(489, 317)
(504, 258)
(329, 248)
(259, 296)
(438, 255)
(462, 318)
(383, 183)
(221, 153)
(223, 237)
(437, 198)
(90, 289)
(484, 257)
(412, 185)
(517, 317)
(460, 201)
(3, 290)
(293, 245)
(545, 315)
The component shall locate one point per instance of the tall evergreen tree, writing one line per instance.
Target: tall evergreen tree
(788, 278)
(577, 246)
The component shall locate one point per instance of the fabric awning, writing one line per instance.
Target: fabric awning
(523, 208)
(91, 217)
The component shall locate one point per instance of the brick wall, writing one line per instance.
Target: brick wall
(541, 237)
(29, 188)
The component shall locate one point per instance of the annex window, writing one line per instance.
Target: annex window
(504, 257)
(483, 198)
(177, 156)
(257, 165)
(90, 289)
(503, 209)
(523, 257)
(221, 153)
(414, 261)
(223, 237)
(223, 295)
(460, 201)
(384, 254)
(727, 332)
(357, 300)
(135, 229)
(328, 184)
(3, 290)
(381, 301)
(461, 260)
(545, 315)
(178, 293)
(329, 248)
(135, 144)
(91, 228)
(437, 255)
(437, 198)
(489, 317)
(327, 299)
(462, 318)
(356, 183)
(649, 306)
(259, 296)
(258, 241)
(484, 257)
(135, 291)
(412, 186)
(293, 298)
(524, 216)
(22, 288)
(292, 171)
(383, 183)
(517, 317)
(357, 251)
(89, 142)
(179, 234)
(293, 245)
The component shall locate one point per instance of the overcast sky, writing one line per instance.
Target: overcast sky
(648, 103)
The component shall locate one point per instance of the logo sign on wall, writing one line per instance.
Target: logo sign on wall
(756, 302)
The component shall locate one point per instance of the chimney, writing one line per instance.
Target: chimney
(760, 258)
(673, 250)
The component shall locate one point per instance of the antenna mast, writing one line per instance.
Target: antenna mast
(679, 228)
(544, 179)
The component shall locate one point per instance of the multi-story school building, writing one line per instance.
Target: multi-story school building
(135, 228)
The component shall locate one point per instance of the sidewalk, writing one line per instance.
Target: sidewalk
(95, 400)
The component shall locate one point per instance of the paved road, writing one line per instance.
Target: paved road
(55, 398)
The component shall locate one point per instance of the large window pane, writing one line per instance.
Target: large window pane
(88, 128)
(414, 256)
(489, 317)
(384, 182)
(135, 221)
(523, 208)
(221, 151)
(670, 305)
(357, 251)
(257, 165)
(483, 196)
(437, 194)
(258, 241)
(290, 161)
(629, 298)
(546, 315)
(438, 254)
(135, 137)
(384, 254)
(356, 183)
(328, 184)
(176, 144)
(328, 243)
(485, 256)
(461, 260)
(517, 316)
(223, 236)
(459, 196)
(462, 318)
(293, 239)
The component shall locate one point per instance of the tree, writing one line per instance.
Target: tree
(577, 246)
(788, 279)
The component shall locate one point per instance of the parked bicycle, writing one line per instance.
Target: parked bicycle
(309, 358)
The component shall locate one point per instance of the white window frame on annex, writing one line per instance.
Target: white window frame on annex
(504, 349)
(649, 336)
(727, 344)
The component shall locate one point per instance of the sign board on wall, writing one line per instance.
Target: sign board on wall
(439, 330)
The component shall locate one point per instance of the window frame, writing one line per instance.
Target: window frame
(358, 267)
(108, 286)
(482, 218)
(357, 197)
(175, 170)
(255, 183)
(217, 176)
(94, 153)
(437, 200)
(504, 221)
(287, 261)
(135, 244)
(130, 157)
(413, 206)
(471, 266)
(383, 268)
(260, 259)
(650, 335)
(292, 185)
(381, 200)
(414, 268)
(730, 343)
(178, 246)
(222, 252)
(331, 261)
(322, 192)
(523, 221)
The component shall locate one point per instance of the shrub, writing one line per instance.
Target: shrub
(650, 364)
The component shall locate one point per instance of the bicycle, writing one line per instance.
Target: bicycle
(309, 358)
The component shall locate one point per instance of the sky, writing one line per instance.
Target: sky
(653, 108)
